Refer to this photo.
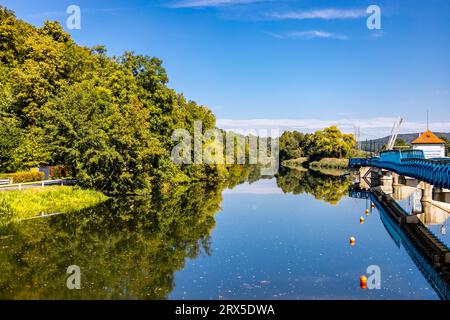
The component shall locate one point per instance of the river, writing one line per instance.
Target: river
(285, 237)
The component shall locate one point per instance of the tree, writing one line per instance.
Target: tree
(330, 142)
(447, 144)
(401, 143)
(10, 140)
(106, 144)
(109, 120)
(291, 145)
(32, 151)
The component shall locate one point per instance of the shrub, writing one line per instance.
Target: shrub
(6, 213)
(57, 172)
(330, 163)
(23, 177)
(296, 163)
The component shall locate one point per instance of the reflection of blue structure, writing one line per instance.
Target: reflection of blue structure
(359, 162)
(411, 163)
(416, 241)
(427, 267)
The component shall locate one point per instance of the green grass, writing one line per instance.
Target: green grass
(330, 163)
(17, 205)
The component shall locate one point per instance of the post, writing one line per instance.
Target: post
(427, 194)
(20, 187)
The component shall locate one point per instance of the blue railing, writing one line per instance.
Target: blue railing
(358, 162)
(435, 172)
(411, 163)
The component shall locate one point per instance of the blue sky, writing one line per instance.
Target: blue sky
(299, 64)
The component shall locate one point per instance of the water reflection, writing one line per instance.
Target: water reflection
(128, 248)
(412, 212)
(328, 188)
(270, 243)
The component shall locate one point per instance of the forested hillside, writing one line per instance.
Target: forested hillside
(108, 120)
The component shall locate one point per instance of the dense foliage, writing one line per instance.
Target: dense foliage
(108, 120)
(23, 177)
(328, 188)
(447, 144)
(328, 143)
(127, 247)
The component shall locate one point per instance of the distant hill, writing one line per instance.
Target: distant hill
(408, 137)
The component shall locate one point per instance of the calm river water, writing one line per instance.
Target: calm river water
(279, 238)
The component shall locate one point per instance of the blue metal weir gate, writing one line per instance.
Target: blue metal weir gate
(411, 163)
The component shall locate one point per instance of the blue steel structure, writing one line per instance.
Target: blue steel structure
(411, 163)
(438, 275)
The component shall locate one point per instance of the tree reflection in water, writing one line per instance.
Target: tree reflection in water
(128, 248)
(328, 188)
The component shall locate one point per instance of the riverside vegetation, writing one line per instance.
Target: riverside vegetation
(137, 243)
(17, 205)
(107, 120)
(327, 149)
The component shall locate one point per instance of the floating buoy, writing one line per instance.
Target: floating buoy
(352, 241)
(372, 205)
(363, 282)
(361, 220)
(367, 212)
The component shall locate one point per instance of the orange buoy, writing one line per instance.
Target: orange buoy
(361, 220)
(367, 212)
(352, 241)
(372, 205)
(363, 282)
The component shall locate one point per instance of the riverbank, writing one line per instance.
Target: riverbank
(325, 163)
(329, 163)
(295, 163)
(18, 205)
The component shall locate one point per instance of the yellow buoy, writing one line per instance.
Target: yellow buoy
(352, 241)
(363, 282)
(361, 220)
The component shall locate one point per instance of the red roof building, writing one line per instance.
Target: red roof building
(428, 137)
(430, 144)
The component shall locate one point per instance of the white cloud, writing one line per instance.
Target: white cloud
(311, 34)
(325, 14)
(209, 3)
(370, 128)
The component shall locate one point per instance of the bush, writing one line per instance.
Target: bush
(297, 163)
(330, 163)
(57, 172)
(6, 213)
(23, 177)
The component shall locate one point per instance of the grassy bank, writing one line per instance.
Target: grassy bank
(325, 163)
(329, 163)
(294, 163)
(17, 205)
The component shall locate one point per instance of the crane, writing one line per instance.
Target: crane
(394, 134)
